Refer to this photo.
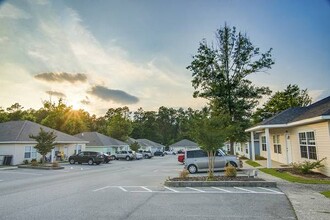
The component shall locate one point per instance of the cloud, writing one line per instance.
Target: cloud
(9, 11)
(57, 94)
(61, 77)
(85, 101)
(117, 96)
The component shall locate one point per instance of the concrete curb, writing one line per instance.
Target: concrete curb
(40, 168)
(9, 168)
(220, 183)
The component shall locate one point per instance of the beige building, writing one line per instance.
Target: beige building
(296, 135)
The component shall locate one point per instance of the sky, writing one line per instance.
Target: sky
(105, 54)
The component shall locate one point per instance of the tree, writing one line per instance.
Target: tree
(45, 142)
(210, 134)
(292, 96)
(134, 146)
(220, 75)
(119, 128)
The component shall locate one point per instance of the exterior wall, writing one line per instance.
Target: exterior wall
(322, 141)
(104, 149)
(18, 150)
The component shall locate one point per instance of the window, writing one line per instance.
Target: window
(196, 154)
(246, 148)
(277, 145)
(30, 152)
(307, 145)
(263, 143)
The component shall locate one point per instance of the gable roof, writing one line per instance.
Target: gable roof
(148, 143)
(315, 112)
(97, 139)
(184, 143)
(19, 131)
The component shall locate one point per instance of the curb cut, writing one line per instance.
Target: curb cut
(220, 183)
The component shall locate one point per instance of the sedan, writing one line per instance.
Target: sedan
(138, 156)
(159, 153)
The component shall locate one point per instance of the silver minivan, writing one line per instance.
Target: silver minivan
(197, 160)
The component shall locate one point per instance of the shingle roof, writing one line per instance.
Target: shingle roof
(19, 131)
(184, 143)
(97, 139)
(320, 108)
(148, 143)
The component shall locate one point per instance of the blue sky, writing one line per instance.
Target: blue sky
(113, 53)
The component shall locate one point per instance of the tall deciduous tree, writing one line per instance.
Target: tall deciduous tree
(292, 96)
(220, 75)
(45, 142)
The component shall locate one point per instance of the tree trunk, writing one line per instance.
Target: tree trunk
(231, 151)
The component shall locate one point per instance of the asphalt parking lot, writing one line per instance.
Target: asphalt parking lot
(130, 190)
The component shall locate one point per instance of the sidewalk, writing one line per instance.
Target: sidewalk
(306, 199)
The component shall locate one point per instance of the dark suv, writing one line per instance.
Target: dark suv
(89, 157)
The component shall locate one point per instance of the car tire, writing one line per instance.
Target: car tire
(192, 169)
(146, 156)
(90, 162)
(72, 161)
(127, 158)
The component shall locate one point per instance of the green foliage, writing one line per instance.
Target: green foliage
(230, 171)
(307, 166)
(253, 163)
(135, 146)
(119, 128)
(210, 134)
(34, 162)
(55, 164)
(292, 96)
(220, 75)
(326, 194)
(296, 179)
(25, 162)
(45, 142)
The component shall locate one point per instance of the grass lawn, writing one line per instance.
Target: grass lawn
(296, 179)
(326, 194)
(253, 163)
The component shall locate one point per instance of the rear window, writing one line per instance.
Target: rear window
(196, 154)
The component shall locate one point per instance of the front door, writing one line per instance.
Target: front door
(288, 149)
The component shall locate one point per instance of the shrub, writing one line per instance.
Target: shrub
(25, 162)
(34, 162)
(230, 171)
(184, 174)
(55, 164)
(307, 166)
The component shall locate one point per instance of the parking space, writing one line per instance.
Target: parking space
(194, 190)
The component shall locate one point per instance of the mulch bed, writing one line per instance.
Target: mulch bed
(312, 175)
(217, 178)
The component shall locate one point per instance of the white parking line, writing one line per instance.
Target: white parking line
(95, 190)
(221, 189)
(173, 190)
(195, 189)
(122, 188)
(270, 190)
(247, 190)
(143, 187)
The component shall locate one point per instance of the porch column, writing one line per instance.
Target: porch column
(52, 155)
(252, 146)
(269, 159)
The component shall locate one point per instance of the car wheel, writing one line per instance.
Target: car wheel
(90, 162)
(146, 156)
(72, 161)
(192, 169)
(127, 158)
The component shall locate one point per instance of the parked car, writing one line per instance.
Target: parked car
(181, 158)
(159, 153)
(146, 154)
(107, 158)
(197, 160)
(138, 156)
(89, 157)
(124, 154)
(169, 152)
